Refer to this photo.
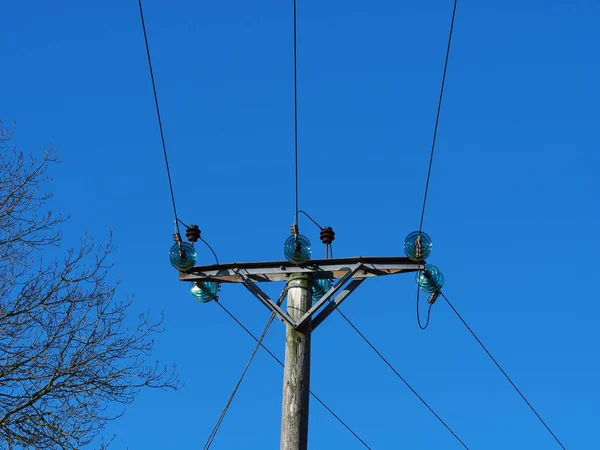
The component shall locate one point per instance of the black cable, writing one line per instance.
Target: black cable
(401, 377)
(202, 239)
(282, 365)
(211, 249)
(250, 333)
(435, 130)
(328, 247)
(422, 327)
(502, 370)
(205, 243)
(437, 117)
(296, 112)
(215, 429)
(339, 420)
(310, 218)
(162, 135)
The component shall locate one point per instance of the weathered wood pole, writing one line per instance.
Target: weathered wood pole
(296, 374)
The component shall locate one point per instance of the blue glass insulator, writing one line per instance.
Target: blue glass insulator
(297, 251)
(430, 279)
(204, 291)
(183, 257)
(415, 248)
(320, 287)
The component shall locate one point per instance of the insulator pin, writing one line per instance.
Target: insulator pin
(294, 230)
(177, 238)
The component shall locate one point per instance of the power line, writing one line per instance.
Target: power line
(282, 365)
(401, 378)
(202, 240)
(296, 111)
(433, 141)
(437, 117)
(215, 429)
(308, 216)
(160, 126)
(211, 249)
(503, 372)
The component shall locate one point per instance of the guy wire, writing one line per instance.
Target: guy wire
(282, 365)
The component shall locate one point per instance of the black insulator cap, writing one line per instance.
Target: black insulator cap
(192, 233)
(327, 235)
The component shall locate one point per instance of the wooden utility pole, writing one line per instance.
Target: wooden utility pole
(296, 374)
(302, 316)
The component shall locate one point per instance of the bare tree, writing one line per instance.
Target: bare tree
(66, 354)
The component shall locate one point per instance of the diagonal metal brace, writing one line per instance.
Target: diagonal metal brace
(264, 298)
(330, 293)
(337, 301)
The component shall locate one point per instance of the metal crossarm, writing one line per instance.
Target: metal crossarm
(372, 266)
(349, 272)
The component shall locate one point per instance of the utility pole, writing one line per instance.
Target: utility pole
(296, 373)
(302, 316)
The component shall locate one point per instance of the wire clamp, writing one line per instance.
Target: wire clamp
(294, 230)
(433, 297)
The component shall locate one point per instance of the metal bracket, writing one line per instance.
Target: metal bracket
(332, 291)
(264, 298)
(337, 301)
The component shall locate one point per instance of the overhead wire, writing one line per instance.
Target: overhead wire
(437, 116)
(204, 241)
(308, 216)
(389, 364)
(344, 424)
(434, 139)
(296, 111)
(433, 142)
(162, 136)
(158, 116)
(328, 247)
(512, 383)
(211, 249)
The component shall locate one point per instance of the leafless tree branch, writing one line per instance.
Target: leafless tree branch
(66, 351)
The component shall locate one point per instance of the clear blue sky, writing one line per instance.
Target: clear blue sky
(513, 207)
